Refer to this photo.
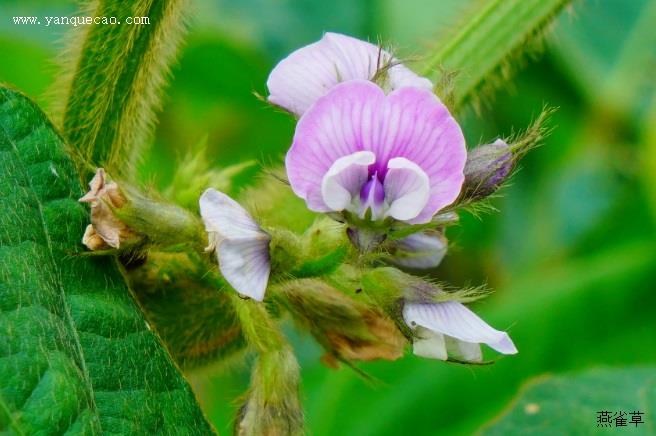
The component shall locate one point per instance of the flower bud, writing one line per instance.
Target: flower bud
(487, 168)
(348, 329)
(420, 250)
(272, 406)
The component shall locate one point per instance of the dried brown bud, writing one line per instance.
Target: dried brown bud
(104, 197)
(92, 240)
(347, 328)
(380, 339)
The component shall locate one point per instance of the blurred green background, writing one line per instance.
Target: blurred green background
(571, 252)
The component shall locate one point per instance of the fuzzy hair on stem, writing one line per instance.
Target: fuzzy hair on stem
(112, 78)
(480, 54)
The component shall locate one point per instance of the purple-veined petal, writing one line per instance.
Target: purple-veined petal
(242, 246)
(345, 178)
(339, 124)
(454, 319)
(244, 263)
(223, 215)
(406, 189)
(420, 250)
(311, 71)
(411, 124)
(419, 128)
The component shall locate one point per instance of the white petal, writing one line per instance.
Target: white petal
(310, 72)
(420, 250)
(454, 319)
(429, 344)
(463, 351)
(225, 216)
(242, 247)
(245, 264)
(345, 178)
(407, 189)
(400, 76)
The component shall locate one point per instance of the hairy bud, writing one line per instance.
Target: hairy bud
(487, 168)
(272, 406)
(420, 250)
(347, 328)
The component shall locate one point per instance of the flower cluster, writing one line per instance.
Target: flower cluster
(376, 172)
(382, 163)
(376, 149)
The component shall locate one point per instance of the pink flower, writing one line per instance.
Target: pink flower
(310, 72)
(380, 156)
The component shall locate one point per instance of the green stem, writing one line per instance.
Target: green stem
(114, 82)
(481, 47)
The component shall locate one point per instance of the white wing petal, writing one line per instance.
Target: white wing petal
(244, 263)
(429, 344)
(463, 351)
(345, 178)
(242, 246)
(225, 216)
(454, 319)
(407, 189)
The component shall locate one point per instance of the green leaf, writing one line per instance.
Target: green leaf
(569, 404)
(114, 81)
(480, 48)
(76, 355)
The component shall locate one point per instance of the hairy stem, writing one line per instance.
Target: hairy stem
(114, 79)
(272, 405)
(481, 48)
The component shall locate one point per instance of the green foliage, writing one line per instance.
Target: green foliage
(195, 174)
(480, 48)
(114, 78)
(569, 404)
(77, 355)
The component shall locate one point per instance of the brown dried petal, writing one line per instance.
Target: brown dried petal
(92, 240)
(384, 340)
(103, 197)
